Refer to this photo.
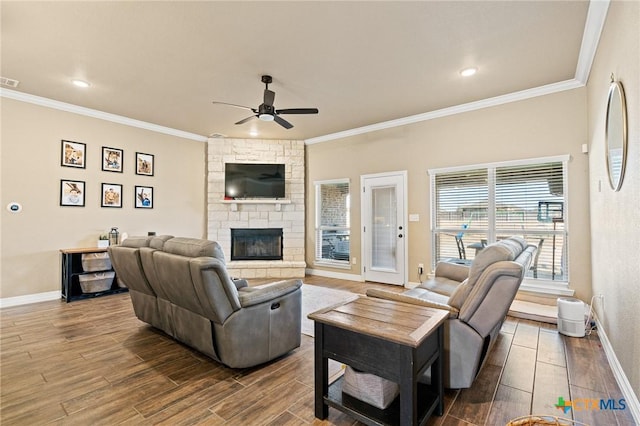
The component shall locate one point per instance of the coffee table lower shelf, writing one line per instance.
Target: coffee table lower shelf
(370, 415)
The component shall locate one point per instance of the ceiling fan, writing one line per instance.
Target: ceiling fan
(266, 111)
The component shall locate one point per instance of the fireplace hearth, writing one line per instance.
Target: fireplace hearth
(256, 244)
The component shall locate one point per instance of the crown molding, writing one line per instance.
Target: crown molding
(63, 106)
(458, 109)
(596, 17)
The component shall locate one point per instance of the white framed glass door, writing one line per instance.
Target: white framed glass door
(384, 231)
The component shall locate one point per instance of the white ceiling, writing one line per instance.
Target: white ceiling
(360, 63)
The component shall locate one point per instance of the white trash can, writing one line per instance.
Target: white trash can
(571, 316)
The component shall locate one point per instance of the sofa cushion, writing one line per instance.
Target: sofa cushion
(440, 285)
(516, 244)
(424, 294)
(502, 250)
(136, 242)
(460, 294)
(453, 271)
(158, 242)
(194, 247)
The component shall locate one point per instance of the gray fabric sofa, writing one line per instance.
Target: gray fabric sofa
(181, 286)
(477, 297)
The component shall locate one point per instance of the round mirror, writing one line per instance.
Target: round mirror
(616, 134)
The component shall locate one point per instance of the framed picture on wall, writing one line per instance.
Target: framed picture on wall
(72, 193)
(73, 154)
(144, 164)
(112, 159)
(111, 195)
(144, 197)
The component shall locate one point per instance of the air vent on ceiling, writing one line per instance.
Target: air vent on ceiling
(9, 82)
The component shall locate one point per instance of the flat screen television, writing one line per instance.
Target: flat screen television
(242, 180)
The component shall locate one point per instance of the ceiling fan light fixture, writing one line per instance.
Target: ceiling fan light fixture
(468, 72)
(265, 117)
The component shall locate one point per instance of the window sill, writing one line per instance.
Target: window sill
(329, 264)
(548, 288)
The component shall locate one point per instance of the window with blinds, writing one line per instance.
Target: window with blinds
(476, 206)
(333, 222)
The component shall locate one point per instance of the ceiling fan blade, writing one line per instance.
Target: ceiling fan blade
(269, 97)
(281, 121)
(233, 105)
(297, 111)
(246, 119)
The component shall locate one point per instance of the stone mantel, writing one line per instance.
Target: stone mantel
(277, 202)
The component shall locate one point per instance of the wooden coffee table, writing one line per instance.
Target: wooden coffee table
(394, 340)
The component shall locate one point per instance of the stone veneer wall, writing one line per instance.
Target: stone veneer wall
(290, 216)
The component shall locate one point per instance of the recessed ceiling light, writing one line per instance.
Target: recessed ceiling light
(467, 72)
(80, 83)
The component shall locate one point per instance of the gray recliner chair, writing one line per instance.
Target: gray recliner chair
(477, 298)
(190, 296)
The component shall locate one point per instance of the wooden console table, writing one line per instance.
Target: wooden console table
(394, 340)
(72, 270)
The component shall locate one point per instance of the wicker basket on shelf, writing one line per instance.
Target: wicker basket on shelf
(96, 282)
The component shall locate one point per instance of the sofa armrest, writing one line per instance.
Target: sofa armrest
(250, 296)
(453, 271)
(400, 297)
(240, 283)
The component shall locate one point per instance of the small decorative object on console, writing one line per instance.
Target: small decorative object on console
(113, 236)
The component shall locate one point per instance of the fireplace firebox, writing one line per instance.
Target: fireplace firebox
(256, 244)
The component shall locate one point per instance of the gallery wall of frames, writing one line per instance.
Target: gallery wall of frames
(113, 195)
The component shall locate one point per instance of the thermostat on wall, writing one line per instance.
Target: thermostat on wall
(14, 207)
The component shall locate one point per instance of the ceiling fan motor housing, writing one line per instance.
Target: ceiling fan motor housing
(266, 109)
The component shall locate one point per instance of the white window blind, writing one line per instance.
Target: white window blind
(476, 206)
(333, 222)
(460, 212)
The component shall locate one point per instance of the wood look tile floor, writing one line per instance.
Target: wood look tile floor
(93, 362)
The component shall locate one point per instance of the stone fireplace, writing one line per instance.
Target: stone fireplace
(287, 214)
(256, 244)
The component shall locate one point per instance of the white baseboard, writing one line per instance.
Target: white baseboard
(627, 390)
(30, 298)
(336, 275)
(348, 277)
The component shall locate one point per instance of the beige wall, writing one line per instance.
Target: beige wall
(31, 173)
(615, 216)
(539, 127)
